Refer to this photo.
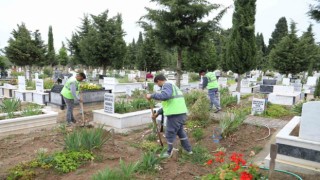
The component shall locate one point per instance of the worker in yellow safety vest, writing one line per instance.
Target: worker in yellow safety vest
(70, 93)
(174, 107)
(211, 83)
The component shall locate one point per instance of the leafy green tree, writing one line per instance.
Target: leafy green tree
(152, 60)
(100, 42)
(51, 55)
(309, 49)
(262, 60)
(74, 42)
(241, 47)
(4, 62)
(25, 48)
(204, 58)
(131, 55)
(180, 25)
(288, 55)
(280, 32)
(139, 55)
(224, 38)
(314, 11)
(63, 57)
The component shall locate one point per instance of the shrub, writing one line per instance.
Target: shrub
(231, 122)
(47, 72)
(31, 110)
(199, 111)
(149, 162)
(10, 106)
(134, 105)
(86, 139)
(149, 146)
(276, 111)
(227, 100)
(200, 155)
(31, 85)
(297, 108)
(48, 84)
(15, 74)
(192, 97)
(224, 91)
(197, 134)
(124, 173)
(194, 77)
(150, 87)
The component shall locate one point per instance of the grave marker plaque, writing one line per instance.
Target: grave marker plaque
(258, 106)
(21, 83)
(39, 85)
(109, 103)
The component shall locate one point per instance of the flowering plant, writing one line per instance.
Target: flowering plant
(89, 86)
(233, 170)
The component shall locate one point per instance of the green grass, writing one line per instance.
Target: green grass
(198, 134)
(276, 111)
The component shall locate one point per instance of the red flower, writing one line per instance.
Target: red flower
(219, 156)
(209, 162)
(245, 176)
(236, 168)
(237, 158)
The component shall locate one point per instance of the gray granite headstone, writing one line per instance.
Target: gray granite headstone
(266, 89)
(310, 121)
(269, 82)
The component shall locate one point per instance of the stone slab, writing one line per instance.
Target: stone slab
(310, 121)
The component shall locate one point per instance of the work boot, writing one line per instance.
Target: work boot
(217, 110)
(166, 155)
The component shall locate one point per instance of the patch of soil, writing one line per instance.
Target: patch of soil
(18, 148)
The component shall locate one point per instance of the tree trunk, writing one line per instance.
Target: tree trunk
(25, 71)
(30, 72)
(104, 70)
(238, 83)
(179, 71)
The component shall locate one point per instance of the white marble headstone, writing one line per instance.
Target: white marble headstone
(21, 83)
(286, 81)
(310, 121)
(245, 83)
(131, 77)
(223, 82)
(39, 85)
(36, 75)
(283, 89)
(185, 79)
(312, 81)
(109, 80)
(258, 106)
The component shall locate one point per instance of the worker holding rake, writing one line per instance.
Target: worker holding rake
(174, 107)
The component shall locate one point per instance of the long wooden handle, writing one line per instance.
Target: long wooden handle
(155, 123)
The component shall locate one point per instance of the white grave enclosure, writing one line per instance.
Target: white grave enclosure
(110, 83)
(22, 94)
(258, 106)
(246, 87)
(299, 152)
(284, 95)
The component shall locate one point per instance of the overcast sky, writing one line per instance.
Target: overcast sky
(65, 16)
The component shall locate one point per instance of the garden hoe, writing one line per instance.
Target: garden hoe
(155, 123)
(82, 113)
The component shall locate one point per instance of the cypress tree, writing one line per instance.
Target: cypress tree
(280, 32)
(51, 55)
(241, 47)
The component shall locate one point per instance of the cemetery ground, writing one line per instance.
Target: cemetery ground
(133, 147)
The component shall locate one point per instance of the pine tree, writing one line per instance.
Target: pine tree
(288, 57)
(241, 47)
(51, 55)
(280, 32)
(180, 25)
(314, 12)
(63, 57)
(262, 60)
(151, 56)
